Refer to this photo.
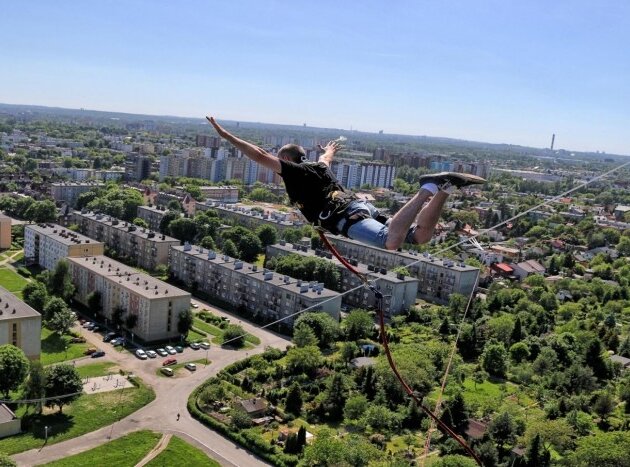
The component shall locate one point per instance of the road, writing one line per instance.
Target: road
(171, 399)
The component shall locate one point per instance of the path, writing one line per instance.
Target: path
(159, 447)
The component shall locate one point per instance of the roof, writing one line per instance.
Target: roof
(12, 307)
(256, 404)
(360, 362)
(623, 360)
(128, 277)
(60, 234)
(622, 208)
(476, 429)
(503, 267)
(504, 249)
(127, 228)
(531, 266)
(6, 414)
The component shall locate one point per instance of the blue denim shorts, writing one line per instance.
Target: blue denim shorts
(368, 231)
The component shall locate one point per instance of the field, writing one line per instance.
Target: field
(177, 450)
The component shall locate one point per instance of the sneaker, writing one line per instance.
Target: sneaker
(445, 179)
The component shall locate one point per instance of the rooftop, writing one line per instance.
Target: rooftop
(128, 277)
(12, 307)
(77, 184)
(60, 234)
(531, 266)
(126, 227)
(6, 415)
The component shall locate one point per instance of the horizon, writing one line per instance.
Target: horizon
(489, 72)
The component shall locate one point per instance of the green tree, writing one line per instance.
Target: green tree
(229, 248)
(519, 352)
(174, 205)
(63, 385)
(604, 405)
(336, 394)
(185, 322)
(61, 320)
(240, 419)
(303, 359)
(359, 324)
(140, 222)
(623, 247)
(54, 306)
(349, 350)
(234, 336)
(35, 389)
(183, 229)
(267, 234)
(325, 327)
(536, 455)
(602, 450)
(42, 211)
(294, 400)
(479, 376)
(355, 407)
(169, 217)
(94, 301)
(14, 368)
(552, 433)
(502, 429)
(455, 460)
(456, 414)
(60, 281)
(495, 359)
(36, 295)
(326, 450)
(208, 242)
(304, 336)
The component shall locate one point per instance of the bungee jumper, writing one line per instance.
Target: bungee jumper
(327, 205)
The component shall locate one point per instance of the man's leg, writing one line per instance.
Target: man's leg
(428, 218)
(402, 220)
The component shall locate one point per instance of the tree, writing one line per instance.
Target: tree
(35, 389)
(54, 306)
(495, 359)
(602, 450)
(183, 229)
(355, 407)
(240, 419)
(36, 295)
(519, 352)
(42, 211)
(455, 460)
(174, 205)
(325, 450)
(94, 302)
(623, 247)
(185, 322)
(234, 336)
(349, 350)
(502, 429)
(61, 320)
(359, 324)
(14, 368)
(594, 358)
(304, 336)
(479, 376)
(62, 380)
(249, 247)
(604, 405)
(536, 455)
(267, 234)
(208, 242)
(455, 413)
(229, 248)
(60, 281)
(169, 217)
(293, 402)
(551, 433)
(140, 222)
(336, 395)
(325, 327)
(303, 360)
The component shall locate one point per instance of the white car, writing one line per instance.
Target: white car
(194, 305)
(190, 366)
(194, 345)
(204, 345)
(171, 350)
(151, 354)
(141, 354)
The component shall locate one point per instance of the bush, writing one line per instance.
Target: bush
(24, 272)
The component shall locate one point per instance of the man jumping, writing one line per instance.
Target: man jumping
(314, 190)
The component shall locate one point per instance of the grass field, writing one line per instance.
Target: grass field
(96, 369)
(86, 414)
(54, 348)
(217, 333)
(177, 450)
(122, 452)
(12, 281)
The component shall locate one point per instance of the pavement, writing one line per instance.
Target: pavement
(171, 399)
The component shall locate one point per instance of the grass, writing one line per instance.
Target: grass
(54, 348)
(122, 452)
(96, 369)
(12, 281)
(217, 333)
(194, 336)
(88, 413)
(177, 450)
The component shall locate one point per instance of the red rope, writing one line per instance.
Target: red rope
(390, 359)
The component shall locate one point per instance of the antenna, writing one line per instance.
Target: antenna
(553, 140)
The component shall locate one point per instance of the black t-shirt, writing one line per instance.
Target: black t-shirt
(309, 186)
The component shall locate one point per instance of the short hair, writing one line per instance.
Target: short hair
(294, 152)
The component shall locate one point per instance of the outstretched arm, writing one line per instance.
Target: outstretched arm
(329, 152)
(252, 151)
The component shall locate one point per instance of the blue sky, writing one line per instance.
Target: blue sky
(497, 71)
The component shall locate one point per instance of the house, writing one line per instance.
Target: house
(620, 211)
(502, 269)
(360, 362)
(623, 361)
(476, 429)
(525, 268)
(9, 424)
(557, 245)
(254, 407)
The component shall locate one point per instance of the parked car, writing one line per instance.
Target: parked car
(169, 361)
(151, 354)
(194, 345)
(167, 371)
(194, 305)
(141, 354)
(87, 324)
(90, 351)
(109, 336)
(77, 340)
(171, 350)
(96, 328)
(118, 341)
(179, 348)
(204, 345)
(191, 366)
(161, 352)
(98, 353)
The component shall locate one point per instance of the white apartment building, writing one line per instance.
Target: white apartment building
(46, 244)
(69, 192)
(257, 292)
(20, 325)
(156, 304)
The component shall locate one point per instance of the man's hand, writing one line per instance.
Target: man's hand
(331, 148)
(217, 127)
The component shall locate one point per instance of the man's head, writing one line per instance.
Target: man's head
(292, 153)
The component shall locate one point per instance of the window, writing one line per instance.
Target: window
(14, 336)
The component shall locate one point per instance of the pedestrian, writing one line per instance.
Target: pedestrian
(178, 416)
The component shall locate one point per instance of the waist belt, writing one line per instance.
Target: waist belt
(336, 211)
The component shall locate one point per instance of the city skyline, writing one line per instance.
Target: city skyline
(487, 72)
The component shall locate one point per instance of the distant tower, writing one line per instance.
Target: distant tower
(553, 140)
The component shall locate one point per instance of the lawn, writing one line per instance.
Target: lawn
(88, 413)
(217, 333)
(194, 336)
(54, 348)
(122, 452)
(177, 450)
(96, 369)
(12, 281)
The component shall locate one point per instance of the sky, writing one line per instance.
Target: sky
(494, 71)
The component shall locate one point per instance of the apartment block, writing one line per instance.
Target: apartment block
(399, 291)
(46, 244)
(69, 192)
(223, 194)
(20, 325)
(5, 232)
(439, 278)
(156, 304)
(152, 215)
(142, 247)
(250, 218)
(258, 292)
